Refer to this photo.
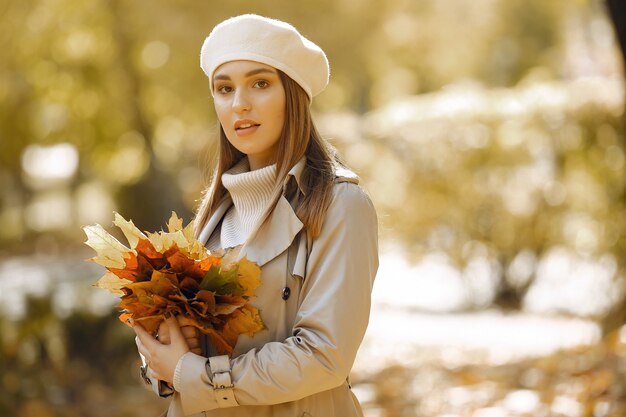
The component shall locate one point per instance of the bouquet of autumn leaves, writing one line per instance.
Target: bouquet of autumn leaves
(172, 272)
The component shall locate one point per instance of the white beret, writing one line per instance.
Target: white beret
(269, 41)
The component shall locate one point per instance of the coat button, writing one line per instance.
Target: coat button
(286, 293)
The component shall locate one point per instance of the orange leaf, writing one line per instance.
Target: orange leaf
(226, 304)
(222, 345)
(145, 248)
(207, 263)
(182, 264)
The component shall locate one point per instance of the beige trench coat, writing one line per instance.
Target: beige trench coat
(299, 366)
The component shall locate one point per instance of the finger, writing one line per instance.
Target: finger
(184, 321)
(141, 348)
(193, 342)
(164, 334)
(189, 331)
(146, 338)
(176, 335)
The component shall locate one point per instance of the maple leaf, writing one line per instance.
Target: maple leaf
(189, 286)
(132, 234)
(245, 320)
(227, 304)
(172, 272)
(210, 261)
(222, 345)
(109, 250)
(206, 302)
(220, 281)
(248, 276)
(112, 283)
(149, 252)
(182, 264)
(188, 232)
(137, 268)
(150, 323)
(174, 224)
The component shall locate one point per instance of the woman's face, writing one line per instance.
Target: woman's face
(249, 101)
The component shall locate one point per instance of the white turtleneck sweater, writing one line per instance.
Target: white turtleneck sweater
(251, 192)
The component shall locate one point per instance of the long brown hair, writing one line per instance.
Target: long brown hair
(298, 138)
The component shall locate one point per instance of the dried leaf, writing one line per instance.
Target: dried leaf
(173, 272)
(248, 276)
(245, 320)
(132, 234)
(112, 283)
(137, 268)
(108, 249)
(209, 261)
(227, 304)
(174, 224)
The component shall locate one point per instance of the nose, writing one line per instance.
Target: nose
(241, 102)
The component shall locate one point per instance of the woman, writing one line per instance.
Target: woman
(279, 191)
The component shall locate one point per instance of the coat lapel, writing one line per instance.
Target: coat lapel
(214, 220)
(275, 234)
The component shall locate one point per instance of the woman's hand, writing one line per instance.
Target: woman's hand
(191, 333)
(161, 358)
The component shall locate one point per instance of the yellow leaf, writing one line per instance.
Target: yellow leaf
(174, 224)
(158, 241)
(112, 283)
(188, 232)
(197, 251)
(108, 249)
(246, 320)
(248, 277)
(179, 238)
(162, 241)
(129, 229)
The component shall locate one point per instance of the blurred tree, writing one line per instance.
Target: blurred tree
(454, 113)
(617, 11)
(496, 180)
(151, 199)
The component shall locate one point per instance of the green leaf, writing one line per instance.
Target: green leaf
(221, 282)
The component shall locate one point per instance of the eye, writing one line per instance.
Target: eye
(223, 89)
(262, 84)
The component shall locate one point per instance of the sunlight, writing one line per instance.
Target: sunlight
(55, 162)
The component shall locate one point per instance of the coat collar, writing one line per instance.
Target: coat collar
(275, 234)
(296, 172)
(281, 226)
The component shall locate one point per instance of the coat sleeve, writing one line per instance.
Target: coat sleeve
(329, 325)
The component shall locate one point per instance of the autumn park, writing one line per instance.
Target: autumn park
(489, 134)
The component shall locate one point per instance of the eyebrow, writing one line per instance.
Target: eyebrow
(248, 74)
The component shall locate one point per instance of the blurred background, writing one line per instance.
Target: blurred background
(490, 135)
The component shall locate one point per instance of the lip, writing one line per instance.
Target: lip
(238, 123)
(247, 131)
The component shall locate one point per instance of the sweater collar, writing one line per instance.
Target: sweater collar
(276, 233)
(281, 227)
